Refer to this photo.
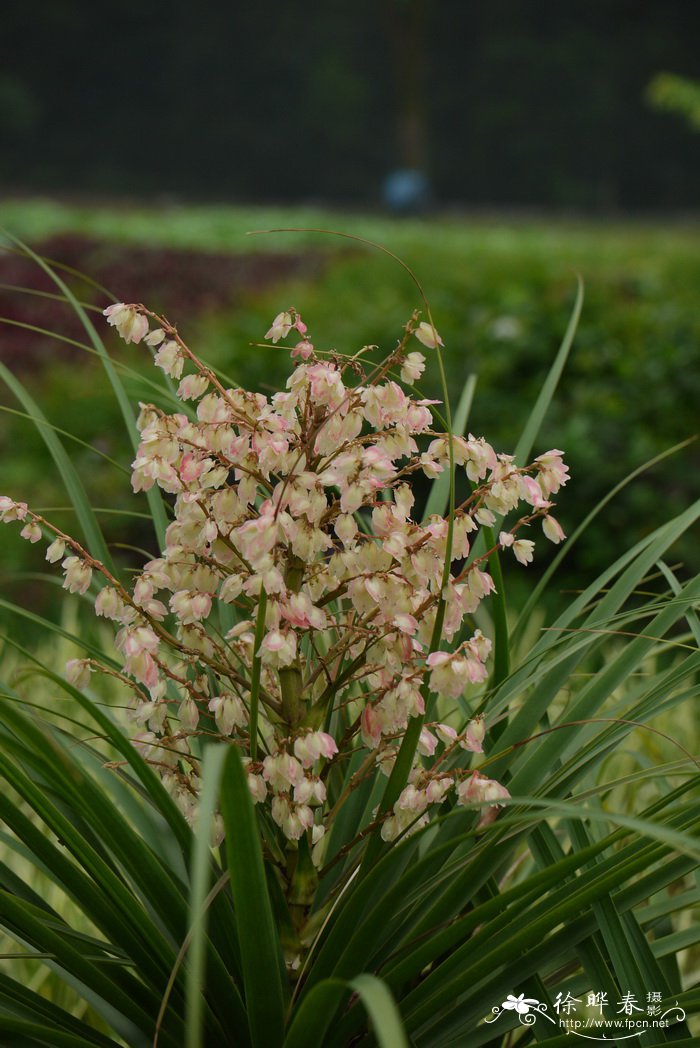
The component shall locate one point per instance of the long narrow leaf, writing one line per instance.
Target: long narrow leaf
(212, 770)
(532, 426)
(89, 525)
(259, 943)
(154, 499)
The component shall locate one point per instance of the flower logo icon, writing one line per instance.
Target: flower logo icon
(520, 1004)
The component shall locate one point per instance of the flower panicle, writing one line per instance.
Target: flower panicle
(304, 500)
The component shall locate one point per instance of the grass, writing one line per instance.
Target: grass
(225, 228)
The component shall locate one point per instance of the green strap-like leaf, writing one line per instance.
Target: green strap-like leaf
(261, 953)
(312, 1020)
(154, 499)
(532, 426)
(43, 1034)
(213, 764)
(24, 1003)
(565, 549)
(92, 533)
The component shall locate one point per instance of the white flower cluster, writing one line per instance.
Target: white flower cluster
(294, 512)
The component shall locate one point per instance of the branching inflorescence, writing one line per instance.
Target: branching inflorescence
(292, 611)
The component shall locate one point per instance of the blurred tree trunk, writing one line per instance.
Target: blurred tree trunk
(406, 23)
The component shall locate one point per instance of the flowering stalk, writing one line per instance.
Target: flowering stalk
(295, 512)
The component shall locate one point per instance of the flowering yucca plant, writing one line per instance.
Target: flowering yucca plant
(327, 793)
(294, 513)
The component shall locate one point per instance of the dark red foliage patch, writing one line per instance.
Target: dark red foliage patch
(179, 283)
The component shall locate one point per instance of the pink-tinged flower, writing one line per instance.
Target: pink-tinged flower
(451, 672)
(553, 473)
(78, 575)
(345, 528)
(532, 492)
(78, 672)
(553, 530)
(189, 606)
(282, 771)
(427, 334)
(316, 744)
(131, 325)
(445, 733)
(143, 667)
(188, 714)
(370, 727)
(474, 737)
(278, 648)
(299, 611)
(406, 623)
(192, 387)
(437, 788)
(230, 589)
(427, 743)
(478, 789)
(412, 368)
(133, 640)
(192, 466)
(11, 510)
(303, 350)
(258, 537)
(506, 539)
(109, 604)
(293, 819)
(31, 532)
(413, 800)
(480, 583)
(143, 590)
(229, 712)
(257, 787)
(170, 359)
(310, 791)
(524, 550)
(281, 326)
(326, 385)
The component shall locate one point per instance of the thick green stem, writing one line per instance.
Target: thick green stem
(291, 676)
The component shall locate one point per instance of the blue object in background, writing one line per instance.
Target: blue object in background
(407, 192)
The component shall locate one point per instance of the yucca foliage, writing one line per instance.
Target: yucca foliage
(172, 909)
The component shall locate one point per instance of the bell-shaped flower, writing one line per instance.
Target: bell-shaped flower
(229, 712)
(315, 744)
(553, 530)
(78, 575)
(281, 326)
(427, 334)
(131, 325)
(474, 736)
(412, 367)
(282, 771)
(78, 672)
(524, 550)
(31, 532)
